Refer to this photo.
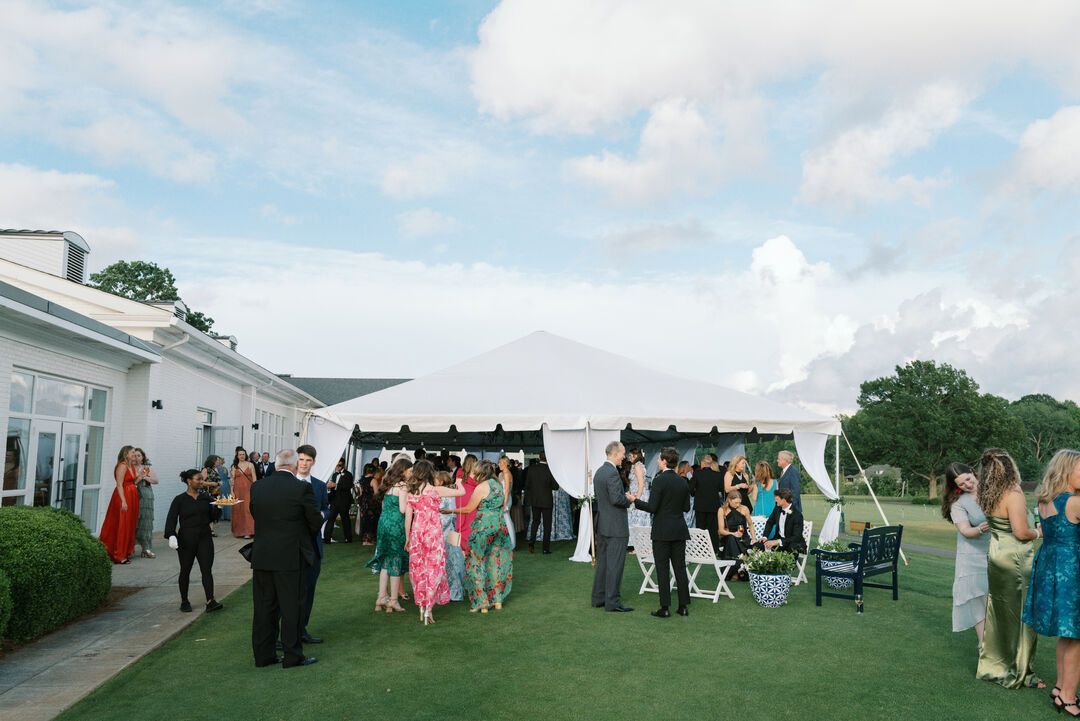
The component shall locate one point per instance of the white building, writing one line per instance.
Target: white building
(84, 372)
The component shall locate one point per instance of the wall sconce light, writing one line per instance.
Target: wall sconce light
(254, 426)
(157, 404)
(297, 434)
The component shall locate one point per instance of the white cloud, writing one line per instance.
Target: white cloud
(271, 212)
(432, 173)
(1049, 154)
(36, 199)
(658, 237)
(851, 170)
(424, 222)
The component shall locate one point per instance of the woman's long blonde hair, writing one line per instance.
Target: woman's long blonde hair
(997, 474)
(733, 464)
(467, 466)
(1056, 479)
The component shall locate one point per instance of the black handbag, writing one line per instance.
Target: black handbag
(245, 551)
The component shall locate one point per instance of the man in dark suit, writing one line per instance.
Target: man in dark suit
(341, 500)
(784, 529)
(790, 478)
(285, 521)
(305, 460)
(267, 464)
(705, 486)
(539, 485)
(612, 530)
(669, 499)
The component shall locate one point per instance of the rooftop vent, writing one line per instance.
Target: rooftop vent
(75, 269)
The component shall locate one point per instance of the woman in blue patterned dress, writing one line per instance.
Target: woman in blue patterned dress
(1052, 607)
(455, 557)
(640, 483)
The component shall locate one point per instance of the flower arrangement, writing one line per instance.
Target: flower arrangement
(769, 563)
(580, 502)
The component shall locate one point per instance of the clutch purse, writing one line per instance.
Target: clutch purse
(245, 551)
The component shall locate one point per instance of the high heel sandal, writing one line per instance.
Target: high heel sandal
(393, 606)
(498, 606)
(149, 554)
(380, 603)
(1060, 706)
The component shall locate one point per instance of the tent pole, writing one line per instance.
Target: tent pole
(588, 506)
(870, 488)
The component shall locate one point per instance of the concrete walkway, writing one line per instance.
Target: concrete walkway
(40, 680)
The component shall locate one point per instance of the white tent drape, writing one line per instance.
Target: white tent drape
(330, 440)
(811, 449)
(573, 457)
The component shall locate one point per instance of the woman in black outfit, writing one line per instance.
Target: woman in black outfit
(736, 532)
(194, 513)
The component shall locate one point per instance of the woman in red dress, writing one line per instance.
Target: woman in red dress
(464, 522)
(118, 530)
(243, 476)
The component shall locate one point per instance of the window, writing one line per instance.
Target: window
(59, 398)
(22, 390)
(16, 454)
(98, 399)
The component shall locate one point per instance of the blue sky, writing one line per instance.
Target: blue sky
(772, 185)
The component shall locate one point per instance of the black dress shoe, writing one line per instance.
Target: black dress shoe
(547, 553)
(683, 611)
(185, 607)
(264, 664)
(308, 638)
(661, 613)
(213, 606)
(306, 662)
(620, 609)
(598, 605)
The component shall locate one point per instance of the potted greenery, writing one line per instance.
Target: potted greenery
(835, 546)
(770, 576)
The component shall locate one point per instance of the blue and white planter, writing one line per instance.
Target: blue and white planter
(770, 591)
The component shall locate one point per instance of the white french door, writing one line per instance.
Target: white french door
(56, 450)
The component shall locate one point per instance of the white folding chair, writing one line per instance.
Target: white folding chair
(699, 553)
(800, 565)
(642, 543)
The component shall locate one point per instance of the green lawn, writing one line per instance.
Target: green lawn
(548, 655)
(923, 525)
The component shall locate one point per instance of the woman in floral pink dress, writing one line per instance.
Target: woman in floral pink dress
(424, 539)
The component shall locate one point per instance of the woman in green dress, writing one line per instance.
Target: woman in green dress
(1008, 648)
(490, 554)
(391, 560)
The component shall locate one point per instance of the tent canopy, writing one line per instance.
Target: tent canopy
(546, 379)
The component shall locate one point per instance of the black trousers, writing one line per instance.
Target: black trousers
(346, 524)
(707, 520)
(673, 553)
(538, 514)
(201, 550)
(278, 598)
(312, 578)
(610, 561)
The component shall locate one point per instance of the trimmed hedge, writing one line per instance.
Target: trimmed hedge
(56, 569)
(5, 602)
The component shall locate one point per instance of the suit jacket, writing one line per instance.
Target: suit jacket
(669, 499)
(706, 487)
(611, 502)
(791, 480)
(285, 521)
(539, 485)
(260, 470)
(321, 500)
(793, 529)
(343, 494)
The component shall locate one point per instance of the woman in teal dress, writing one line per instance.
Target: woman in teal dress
(490, 555)
(1008, 649)
(391, 560)
(1053, 600)
(766, 489)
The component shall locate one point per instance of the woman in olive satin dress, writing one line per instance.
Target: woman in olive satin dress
(1008, 649)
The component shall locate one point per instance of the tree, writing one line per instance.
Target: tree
(200, 321)
(148, 283)
(137, 280)
(1048, 425)
(927, 416)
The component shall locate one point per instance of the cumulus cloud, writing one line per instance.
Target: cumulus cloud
(851, 170)
(1049, 154)
(424, 222)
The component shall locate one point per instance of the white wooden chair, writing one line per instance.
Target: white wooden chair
(800, 565)
(700, 553)
(642, 542)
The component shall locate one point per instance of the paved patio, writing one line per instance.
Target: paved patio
(40, 680)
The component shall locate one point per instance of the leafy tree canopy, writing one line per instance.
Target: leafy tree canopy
(137, 280)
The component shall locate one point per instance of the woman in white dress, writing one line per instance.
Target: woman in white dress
(960, 505)
(640, 482)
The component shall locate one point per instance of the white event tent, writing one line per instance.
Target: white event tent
(580, 398)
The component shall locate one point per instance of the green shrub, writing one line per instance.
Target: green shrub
(925, 501)
(5, 602)
(836, 546)
(56, 569)
(770, 562)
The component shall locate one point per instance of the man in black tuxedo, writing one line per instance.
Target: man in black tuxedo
(706, 486)
(669, 499)
(539, 485)
(786, 522)
(340, 486)
(268, 466)
(612, 530)
(285, 521)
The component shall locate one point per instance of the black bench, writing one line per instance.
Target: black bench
(876, 555)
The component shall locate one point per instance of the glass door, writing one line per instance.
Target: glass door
(71, 466)
(45, 455)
